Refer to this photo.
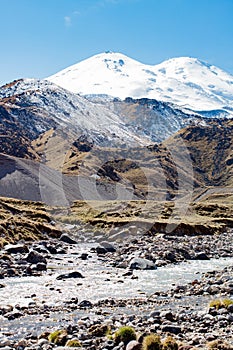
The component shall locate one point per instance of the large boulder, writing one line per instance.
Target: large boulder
(170, 328)
(67, 239)
(16, 248)
(201, 256)
(34, 257)
(74, 274)
(141, 264)
(105, 247)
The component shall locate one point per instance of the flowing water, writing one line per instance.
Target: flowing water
(99, 282)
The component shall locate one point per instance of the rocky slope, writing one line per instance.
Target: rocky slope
(211, 149)
(35, 106)
(149, 117)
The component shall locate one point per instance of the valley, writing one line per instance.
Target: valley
(116, 205)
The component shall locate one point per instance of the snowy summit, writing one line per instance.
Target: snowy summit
(185, 81)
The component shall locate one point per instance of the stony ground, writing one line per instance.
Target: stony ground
(184, 311)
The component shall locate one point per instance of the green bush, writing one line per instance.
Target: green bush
(73, 343)
(152, 342)
(125, 334)
(58, 337)
(170, 344)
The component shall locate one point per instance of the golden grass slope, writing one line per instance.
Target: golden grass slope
(24, 220)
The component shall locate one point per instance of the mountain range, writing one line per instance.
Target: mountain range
(132, 130)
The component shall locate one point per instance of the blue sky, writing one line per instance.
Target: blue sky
(41, 37)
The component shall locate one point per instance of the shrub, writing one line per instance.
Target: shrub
(170, 344)
(219, 345)
(152, 342)
(218, 303)
(58, 337)
(73, 343)
(227, 302)
(125, 334)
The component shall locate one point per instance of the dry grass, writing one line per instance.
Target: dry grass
(195, 218)
(24, 220)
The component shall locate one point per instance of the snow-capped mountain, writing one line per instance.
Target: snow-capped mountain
(39, 105)
(185, 81)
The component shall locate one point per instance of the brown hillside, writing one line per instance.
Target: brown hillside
(211, 150)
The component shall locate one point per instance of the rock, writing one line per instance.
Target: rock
(160, 263)
(100, 250)
(108, 247)
(168, 315)
(13, 315)
(104, 248)
(74, 274)
(108, 345)
(4, 342)
(230, 318)
(84, 256)
(42, 341)
(16, 249)
(51, 249)
(134, 345)
(58, 337)
(154, 314)
(67, 239)
(201, 256)
(41, 267)
(98, 330)
(11, 272)
(127, 273)
(85, 303)
(141, 264)
(40, 249)
(169, 256)
(169, 328)
(6, 309)
(34, 257)
(22, 343)
(230, 308)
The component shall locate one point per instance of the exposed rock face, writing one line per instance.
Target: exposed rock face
(83, 144)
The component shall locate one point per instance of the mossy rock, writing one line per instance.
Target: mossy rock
(125, 334)
(152, 342)
(58, 337)
(73, 343)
